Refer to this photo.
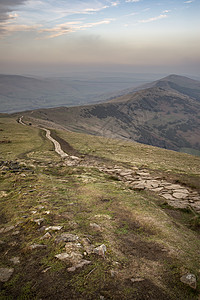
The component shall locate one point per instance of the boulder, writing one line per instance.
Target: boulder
(189, 279)
(66, 237)
(5, 274)
(101, 250)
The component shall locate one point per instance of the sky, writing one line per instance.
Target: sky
(46, 36)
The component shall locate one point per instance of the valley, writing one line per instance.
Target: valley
(166, 114)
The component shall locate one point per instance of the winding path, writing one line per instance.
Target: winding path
(175, 195)
(56, 144)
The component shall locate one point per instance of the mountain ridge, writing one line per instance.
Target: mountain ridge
(155, 116)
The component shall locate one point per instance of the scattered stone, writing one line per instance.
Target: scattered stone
(62, 256)
(95, 226)
(39, 221)
(73, 224)
(137, 279)
(79, 265)
(5, 274)
(168, 196)
(6, 229)
(74, 157)
(40, 207)
(47, 212)
(34, 212)
(103, 216)
(36, 246)
(3, 194)
(189, 279)
(15, 260)
(180, 195)
(42, 229)
(54, 228)
(113, 273)
(139, 187)
(46, 236)
(45, 270)
(87, 246)
(157, 190)
(16, 232)
(67, 237)
(100, 250)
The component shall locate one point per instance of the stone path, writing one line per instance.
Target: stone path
(176, 195)
(56, 144)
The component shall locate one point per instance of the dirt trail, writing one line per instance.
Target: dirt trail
(56, 144)
(175, 195)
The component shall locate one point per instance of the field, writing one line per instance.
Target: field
(149, 244)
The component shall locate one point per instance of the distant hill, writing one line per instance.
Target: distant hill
(19, 93)
(172, 82)
(167, 115)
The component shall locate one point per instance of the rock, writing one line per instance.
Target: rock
(74, 157)
(16, 232)
(36, 246)
(6, 229)
(95, 226)
(63, 256)
(139, 187)
(5, 274)
(66, 237)
(103, 216)
(113, 273)
(82, 263)
(39, 221)
(180, 195)
(45, 270)
(87, 245)
(100, 250)
(54, 228)
(125, 173)
(168, 196)
(46, 236)
(156, 190)
(172, 186)
(145, 174)
(72, 246)
(137, 279)
(15, 260)
(189, 279)
(40, 207)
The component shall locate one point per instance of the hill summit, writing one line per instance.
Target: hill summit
(164, 113)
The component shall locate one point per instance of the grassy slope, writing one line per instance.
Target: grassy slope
(143, 241)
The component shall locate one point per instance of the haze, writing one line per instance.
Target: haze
(49, 36)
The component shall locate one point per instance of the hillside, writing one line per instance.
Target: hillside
(18, 93)
(176, 83)
(97, 224)
(166, 115)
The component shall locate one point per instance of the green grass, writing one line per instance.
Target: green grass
(134, 225)
(133, 153)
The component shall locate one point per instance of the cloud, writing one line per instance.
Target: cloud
(132, 1)
(189, 1)
(6, 9)
(115, 3)
(153, 19)
(69, 27)
(7, 6)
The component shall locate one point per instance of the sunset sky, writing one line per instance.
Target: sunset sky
(130, 35)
